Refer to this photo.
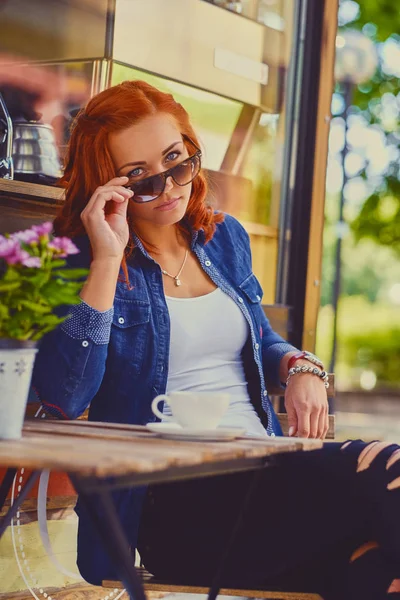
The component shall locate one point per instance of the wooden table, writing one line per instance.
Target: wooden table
(101, 457)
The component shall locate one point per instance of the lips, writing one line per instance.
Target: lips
(169, 205)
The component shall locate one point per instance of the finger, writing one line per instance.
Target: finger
(292, 419)
(105, 194)
(120, 193)
(97, 206)
(106, 189)
(117, 181)
(314, 422)
(326, 423)
(303, 418)
(322, 424)
(117, 208)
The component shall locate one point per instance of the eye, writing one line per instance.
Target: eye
(173, 156)
(135, 172)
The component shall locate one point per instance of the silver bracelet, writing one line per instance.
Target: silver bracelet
(313, 370)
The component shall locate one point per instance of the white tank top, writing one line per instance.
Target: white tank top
(207, 337)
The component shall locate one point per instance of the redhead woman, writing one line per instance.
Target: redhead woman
(171, 304)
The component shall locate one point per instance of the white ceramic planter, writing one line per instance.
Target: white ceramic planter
(16, 363)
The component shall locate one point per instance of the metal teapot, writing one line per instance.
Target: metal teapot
(31, 151)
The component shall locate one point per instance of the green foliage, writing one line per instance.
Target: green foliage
(375, 223)
(27, 301)
(368, 339)
(29, 296)
(379, 352)
(380, 19)
(384, 13)
(367, 268)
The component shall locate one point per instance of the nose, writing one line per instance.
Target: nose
(169, 184)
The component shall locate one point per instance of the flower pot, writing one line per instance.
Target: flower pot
(16, 363)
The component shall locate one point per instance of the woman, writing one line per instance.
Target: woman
(159, 258)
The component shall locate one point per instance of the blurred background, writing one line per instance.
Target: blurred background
(358, 331)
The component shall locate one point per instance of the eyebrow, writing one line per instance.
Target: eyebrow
(143, 162)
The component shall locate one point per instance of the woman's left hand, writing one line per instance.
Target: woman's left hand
(306, 403)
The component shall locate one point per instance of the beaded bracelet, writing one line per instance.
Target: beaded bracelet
(313, 370)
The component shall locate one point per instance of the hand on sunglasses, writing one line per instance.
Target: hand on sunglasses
(104, 219)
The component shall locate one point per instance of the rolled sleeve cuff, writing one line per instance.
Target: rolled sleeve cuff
(272, 360)
(85, 322)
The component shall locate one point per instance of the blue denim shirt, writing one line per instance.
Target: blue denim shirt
(117, 361)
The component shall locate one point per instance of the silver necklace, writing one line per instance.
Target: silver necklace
(176, 277)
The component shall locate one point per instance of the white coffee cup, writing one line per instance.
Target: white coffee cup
(200, 410)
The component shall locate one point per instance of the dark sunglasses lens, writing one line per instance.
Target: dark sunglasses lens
(148, 189)
(187, 171)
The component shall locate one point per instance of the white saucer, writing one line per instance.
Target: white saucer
(176, 432)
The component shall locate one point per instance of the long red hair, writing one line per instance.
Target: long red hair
(89, 163)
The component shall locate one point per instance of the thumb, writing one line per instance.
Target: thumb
(292, 421)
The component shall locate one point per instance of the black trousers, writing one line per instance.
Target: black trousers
(309, 513)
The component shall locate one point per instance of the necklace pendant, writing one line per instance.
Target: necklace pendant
(177, 282)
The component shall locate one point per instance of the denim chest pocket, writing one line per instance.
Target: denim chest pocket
(129, 333)
(252, 291)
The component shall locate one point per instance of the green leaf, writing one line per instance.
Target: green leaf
(57, 263)
(9, 287)
(35, 307)
(38, 278)
(62, 300)
(71, 273)
(4, 312)
(11, 275)
(50, 320)
(43, 330)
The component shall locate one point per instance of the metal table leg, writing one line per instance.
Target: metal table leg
(6, 484)
(110, 529)
(5, 488)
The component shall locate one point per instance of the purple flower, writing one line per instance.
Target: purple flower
(63, 246)
(17, 257)
(43, 229)
(32, 261)
(13, 254)
(8, 247)
(27, 237)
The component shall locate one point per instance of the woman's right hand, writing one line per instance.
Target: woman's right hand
(104, 219)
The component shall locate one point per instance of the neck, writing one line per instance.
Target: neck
(165, 240)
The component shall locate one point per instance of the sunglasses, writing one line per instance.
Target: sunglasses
(151, 188)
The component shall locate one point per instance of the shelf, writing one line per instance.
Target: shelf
(30, 190)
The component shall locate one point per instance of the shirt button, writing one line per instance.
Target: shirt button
(265, 393)
(85, 343)
(121, 320)
(208, 263)
(240, 300)
(258, 297)
(256, 346)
